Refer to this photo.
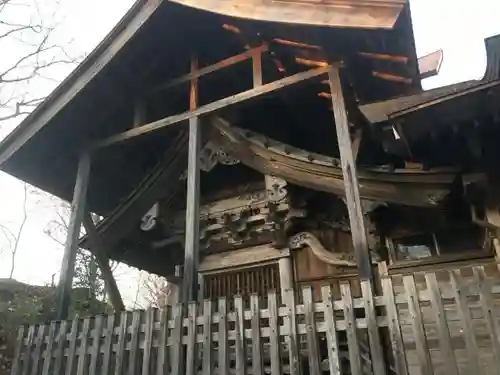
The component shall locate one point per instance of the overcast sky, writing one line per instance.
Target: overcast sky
(458, 27)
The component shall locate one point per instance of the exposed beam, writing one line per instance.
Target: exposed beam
(211, 107)
(77, 81)
(71, 246)
(103, 262)
(192, 239)
(211, 68)
(353, 200)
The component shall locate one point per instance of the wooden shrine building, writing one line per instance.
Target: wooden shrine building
(280, 163)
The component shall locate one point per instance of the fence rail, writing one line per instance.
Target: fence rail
(425, 323)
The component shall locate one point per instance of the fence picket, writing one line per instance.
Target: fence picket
(148, 341)
(16, 361)
(312, 339)
(177, 335)
(450, 362)
(61, 342)
(70, 360)
(163, 357)
(257, 362)
(108, 344)
(274, 335)
(291, 338)
(82, 352)
(222, 344)
(240, 335)
(38, 349)
(417, 325)
(207, 337)
(331, 331)
(191, 360)
(98, 326)
(120, 347)
(48, 351)
(352, 335)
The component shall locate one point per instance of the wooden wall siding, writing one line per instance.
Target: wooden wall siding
(432, 323)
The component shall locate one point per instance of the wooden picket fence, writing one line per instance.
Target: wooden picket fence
(420, 323)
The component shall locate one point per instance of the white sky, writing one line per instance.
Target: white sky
(457, 27)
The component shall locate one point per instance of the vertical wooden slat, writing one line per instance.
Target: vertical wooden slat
(256, 343)
(312, 339)
(240, 335)
(48, 351)
(120, 346)
(487, 307)
(134, 341)
(352, 336)
(191, 357)
(222, 345)
(16, 362)
(108, 344)
(417, 325)
(464, 314)
(397, 345)
(207, 337)
(40, 336)
(447, 354)
(292, 339)
(274, 338)
(331, 331)
(148, 341)
(377, 354)
(177, 338)
(96, 348)
(82, 352)
(70, 360)
(27, 358)
(61, 343)
(257, 69)
(161, 363)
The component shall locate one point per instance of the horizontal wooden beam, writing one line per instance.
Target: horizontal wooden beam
(211, 107)
(211, 68)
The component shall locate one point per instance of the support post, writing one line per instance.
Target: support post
(71, 246)
(103, 263)
(356, 217)
(192, 198)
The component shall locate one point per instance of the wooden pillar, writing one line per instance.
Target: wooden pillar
(286, 273)
(71, 246)
(103, 263)
(193, 198)
(356, 217)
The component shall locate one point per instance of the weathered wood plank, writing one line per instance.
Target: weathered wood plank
(40, 338)
(211, 107)
(16, 361)
(312, 339)
(191, 358)
(274, 335)
(27, 358)
(353, 200)
(71, 357)
(148, 341)
(108, 345)
(83, 351)
(61, 342)
(134, 342)
(240, 336)
(120, 346)
(488, 307)
(48, 350)
(417, 325)
(352, 336)
(377, 354)
(396, 337)
(257, 68)
(96, 348)
(72, 238)
(207, 337)
(163, 350)
(331, 331)
(446, 347)
(222, 345)
(177, 334)
(463, 311)
(257, 361)
(291, 338)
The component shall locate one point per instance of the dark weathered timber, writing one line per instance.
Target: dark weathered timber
(211, 107)
(71, 246)
(103, 263)
(192, 233)
(211, 68)
(356, 217)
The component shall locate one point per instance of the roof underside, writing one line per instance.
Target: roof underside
(161, 50)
